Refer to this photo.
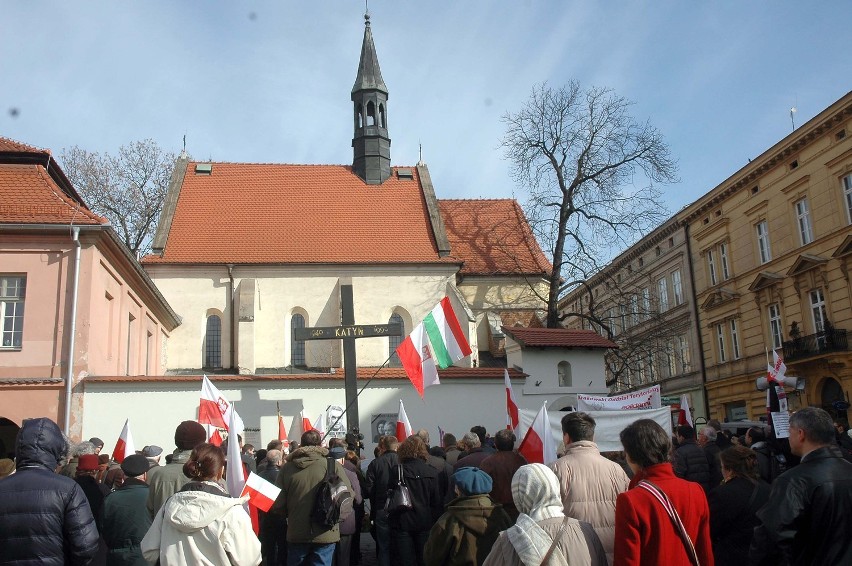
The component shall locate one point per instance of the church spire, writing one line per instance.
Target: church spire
(370, 142)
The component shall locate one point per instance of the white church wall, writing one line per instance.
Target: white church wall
(485, 293)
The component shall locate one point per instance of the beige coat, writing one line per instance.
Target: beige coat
(578, 545)
(589, 485)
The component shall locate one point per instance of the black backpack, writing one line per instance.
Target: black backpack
(333, 502)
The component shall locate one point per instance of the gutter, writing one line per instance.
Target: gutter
(75, 287)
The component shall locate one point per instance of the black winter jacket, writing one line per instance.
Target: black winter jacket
(378, 480)
(690, 463)
(807, 519)
(422, 482)
(44, 517)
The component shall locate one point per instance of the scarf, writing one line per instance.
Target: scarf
(535, 491)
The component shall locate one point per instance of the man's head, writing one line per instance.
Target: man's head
(152, 453)
(189, 434)
(577, 427)
(85, 447)
(424, 435)
(504, 440)
(685, 432)
(471, 440)
(136, 466)
(97, 443)
(337, 448)
(389, 444)
(449, 439)
(274, 445)
(472, 481)
(248, 449)
(480, 432)
(810, 428)
(839, 426)
(311, 438)
(274, 457)
(755, 434)
(707, 435)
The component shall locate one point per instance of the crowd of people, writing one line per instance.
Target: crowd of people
(691, 499)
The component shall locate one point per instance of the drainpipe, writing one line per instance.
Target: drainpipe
(69, 377)
(697, 322)
(233, 315)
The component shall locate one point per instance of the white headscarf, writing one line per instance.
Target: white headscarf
(535, 490)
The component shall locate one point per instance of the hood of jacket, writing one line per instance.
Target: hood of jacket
(474, 512)
(40, 443)
(307, 455)
(190, 511)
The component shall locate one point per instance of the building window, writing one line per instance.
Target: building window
(763, 242)
(213, 343)
(803, 217)
(297, 347)
(634, 310)
(395, 341)
(818, 310)
(564, 371)
(775, 326)
(735, 340)
(622, 310)
(723, 258)
(683, 345)
(662, 288)
(847, 196)
(711, 267)
(677, 287)
(671, 359)
(12, 292)
(720, 342)
(646, 302)
(736, 411)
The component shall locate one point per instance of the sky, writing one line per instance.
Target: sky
(269, 82)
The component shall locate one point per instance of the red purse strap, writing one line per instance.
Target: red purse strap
(664, 500)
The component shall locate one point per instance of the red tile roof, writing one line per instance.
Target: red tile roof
(28, 195)
(558, 338)
(303, 214)
(7, 144)
(492, 237)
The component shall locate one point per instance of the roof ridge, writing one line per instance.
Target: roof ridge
(22, 146)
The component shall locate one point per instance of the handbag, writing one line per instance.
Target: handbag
(400, 497)
(678, 524)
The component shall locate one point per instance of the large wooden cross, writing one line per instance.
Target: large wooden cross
(348, 331)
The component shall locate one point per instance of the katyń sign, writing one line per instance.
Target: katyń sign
(642, 399)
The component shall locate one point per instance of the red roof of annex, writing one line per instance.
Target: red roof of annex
(558, 338)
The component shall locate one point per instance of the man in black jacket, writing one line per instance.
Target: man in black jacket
(808, 519)
(44, 516)
(378, 482)
(690, 462)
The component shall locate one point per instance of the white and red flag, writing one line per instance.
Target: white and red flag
(124, 447)
(306, 424)
(684, 416)
(319, 425)
(261, 493)
(538, 445)
(236, 478)
(282, 430)
(513, 417)
(403, 427)
(215, 411)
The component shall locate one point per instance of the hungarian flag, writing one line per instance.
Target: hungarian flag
(538, 446)
(513, 417)
(261, 493)
(124, 447)
(403, 427)
(437, 342)
(215, 412)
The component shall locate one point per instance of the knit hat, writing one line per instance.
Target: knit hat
(189, 434)
(337, 452)
(7, 466)
(152, 451)
(472, 481)
(87, 463)
(135, 465)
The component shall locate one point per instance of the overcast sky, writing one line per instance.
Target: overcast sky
(270, 81)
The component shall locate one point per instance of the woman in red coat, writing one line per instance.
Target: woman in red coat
(644, 532)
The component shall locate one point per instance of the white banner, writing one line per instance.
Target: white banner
(642, 399)
(609, 424)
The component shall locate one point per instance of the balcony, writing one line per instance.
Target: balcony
(834, 340)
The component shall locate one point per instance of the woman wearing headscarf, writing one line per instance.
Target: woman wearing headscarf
(202, 524)
(733, 505)
(645, 533)
(542, 533)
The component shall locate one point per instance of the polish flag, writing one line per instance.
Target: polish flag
(215, 412)
(685, 415)
(319, 425)
(415, 354)
(124, 447)
(235, 479)
(513, 418)
(403, 427)
(538, 446)
(282, 431)
(261, 493)
(306, 424)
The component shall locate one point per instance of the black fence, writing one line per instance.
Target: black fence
(834, 340)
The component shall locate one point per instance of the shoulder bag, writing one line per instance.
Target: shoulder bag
(400, 497)
(676, 522)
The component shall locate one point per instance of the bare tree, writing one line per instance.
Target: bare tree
(592, 173)
(127, 188)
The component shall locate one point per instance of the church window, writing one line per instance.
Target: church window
(359, 116)
(297, 352)
(382, 122)
(371, 114)
(213, 343)
(12, 291)
(395, 341)
(564, 370)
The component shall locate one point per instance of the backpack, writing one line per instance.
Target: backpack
(333, 502)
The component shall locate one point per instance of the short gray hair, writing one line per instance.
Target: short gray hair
(816, 424)
(274, 456)
(709, 433)
(471, 439)
(82, 448)
(424, 435)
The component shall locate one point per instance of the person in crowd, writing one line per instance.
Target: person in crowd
(589, 483)
(617, 456)
(690, 462)
(451, 448)
(125, 518)
(353, 463)
(441, 466)
(79, 449)
(165, 481)
(844, 437)
(44, 516)
(467, 530)
(349, 526)
(153, 453)
(807, 519)
(97, 443)
(263, 462)
(707, 441)
(247, 455)
(273, 525)
(484, 440)
(722, 440)
(733, 505)
(644, 531)
(87, 469)
(409, 529)
(201, 523)
(103, 467)
(378, 483)
(475, 453)
(767, 458)
(299, 481)
(543, 534)
(7, 467)
(501, 467)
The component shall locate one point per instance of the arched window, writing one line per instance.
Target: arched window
(359, 116)
(297, 347)
(371, 114)
(564, 370)
(213, 343)
(395, 341)
(382, 116)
